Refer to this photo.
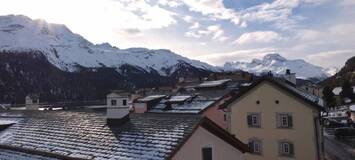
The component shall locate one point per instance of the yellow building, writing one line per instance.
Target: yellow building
(277, 120)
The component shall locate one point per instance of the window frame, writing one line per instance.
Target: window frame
(290, 147)
(256, 142)
(202, 152)
(280, 123)
(113, 102)
(254, 116)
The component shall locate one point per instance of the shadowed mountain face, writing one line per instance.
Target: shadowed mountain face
(30, 72)
(345, 73)
(39, 57)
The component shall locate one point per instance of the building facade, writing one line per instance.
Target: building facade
(277, 121)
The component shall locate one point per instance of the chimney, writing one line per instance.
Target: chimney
(32, 102)
(117, 108)
(290, 77)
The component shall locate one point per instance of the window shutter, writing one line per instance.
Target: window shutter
(291, 149)
(251, 146)
(259, 120)
(290, 123)
(278, 120)
(280, 148)
(249, 120)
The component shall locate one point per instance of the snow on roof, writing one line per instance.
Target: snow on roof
(213, 83)
(337, 90)
(86, 135)
(15, 155)
(179, 98)
(352, 107)
(6, 122)
(315, 99)
(150, 98)
(195, 106)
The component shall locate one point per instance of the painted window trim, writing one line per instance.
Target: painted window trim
(252, 141)
(291, 148)
(252, 125)
(279, 123)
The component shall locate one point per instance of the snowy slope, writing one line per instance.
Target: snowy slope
(67, 50)
(278, 64)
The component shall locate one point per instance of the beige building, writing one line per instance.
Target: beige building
(277, 120)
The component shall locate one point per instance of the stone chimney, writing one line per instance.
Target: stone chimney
(32, 102)
(117, 107)
(290, 77)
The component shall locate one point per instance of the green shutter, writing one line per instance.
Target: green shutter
(290, 123)
(292, 152)
(251, 146)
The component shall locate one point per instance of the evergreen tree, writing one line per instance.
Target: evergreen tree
(328, 97)
(347, 91)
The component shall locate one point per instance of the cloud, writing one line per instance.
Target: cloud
(170, 3)
(330, 58)
(280, 12)
(258, 37)
(236, 55)
(191, 34)
(195, 25)
(215, 32)
(187, 19)
(214, 9)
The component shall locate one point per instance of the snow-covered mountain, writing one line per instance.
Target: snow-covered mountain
(68, 51)
(278, 65)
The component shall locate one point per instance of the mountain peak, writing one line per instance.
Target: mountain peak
(277, 64)
(274, 56)
(67, 50)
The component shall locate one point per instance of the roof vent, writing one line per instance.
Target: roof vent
(117, 108)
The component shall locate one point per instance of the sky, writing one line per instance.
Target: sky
(321, 32)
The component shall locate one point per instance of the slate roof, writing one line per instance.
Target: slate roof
(6, 154)
(182, 104)
(307, 97)
(85, 135)
(213, 83)
(150, 98)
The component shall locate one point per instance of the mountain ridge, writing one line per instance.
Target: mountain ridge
(66, 49)
(278, 64)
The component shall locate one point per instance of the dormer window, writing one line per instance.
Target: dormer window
(113, 102)
(124, 102)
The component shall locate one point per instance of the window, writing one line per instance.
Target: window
(225, 117)
(253, 120)
(284, 120)
(113, 102)
(286, 148)
(124, 102)
(207, 153)
(255, 146)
